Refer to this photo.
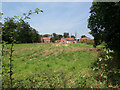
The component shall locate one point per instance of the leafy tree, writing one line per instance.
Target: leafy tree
(34, 35)
(26, 34)
(56, 37)
(46, 35)
(59, 37)
(104, 24)
(8, 28)
(72, 36)
(83, 36)
(23, 33)
(66, 35)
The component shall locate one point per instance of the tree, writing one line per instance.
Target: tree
(34, 35)
(23, 33)
(66, 35)
(54, 37)
(46, 35)
(59, 37)
(72, 36)
(104, 24)
(83, 36)
(8, 28)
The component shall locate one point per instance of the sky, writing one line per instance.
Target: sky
(57, 17)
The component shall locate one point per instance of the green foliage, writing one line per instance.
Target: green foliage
(104, 24)
(8, 30)
(72, 36)
(46, 35)
(56, 37)
(82, 81)
(66, 35)
(106, 69)
(23, 33)
(83, 36)
(83, 41)
(26, 34)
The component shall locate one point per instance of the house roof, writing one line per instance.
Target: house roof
(69, 38)
(45, 37)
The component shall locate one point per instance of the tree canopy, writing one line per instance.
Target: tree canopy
(56, 37)
(83, 36)
(20, 31)
(66, 35)
(104, 23)
(15, 29)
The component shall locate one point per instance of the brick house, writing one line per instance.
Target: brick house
(63, 40)
(67, 40)
(70, 40)
(86, 39)
(83, 39)
(45, 40)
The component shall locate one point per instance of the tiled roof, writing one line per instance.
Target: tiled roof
(83, 38)
(69, 38)
(45, 37)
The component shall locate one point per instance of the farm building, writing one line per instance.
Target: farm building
(67, 40)
(83, 39)
(70, 40)
(63, 40)
(86, 39)
(45, 40)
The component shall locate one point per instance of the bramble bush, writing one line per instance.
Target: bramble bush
(106, 70)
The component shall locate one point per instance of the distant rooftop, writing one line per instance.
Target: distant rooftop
(45, 37)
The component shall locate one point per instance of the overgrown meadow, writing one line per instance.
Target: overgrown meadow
(51, 65)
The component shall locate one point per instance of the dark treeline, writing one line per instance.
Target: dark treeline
(22, 32)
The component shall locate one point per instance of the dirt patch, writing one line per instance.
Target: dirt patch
(55, 51)
(79, 49)
(61, 44)
(35, 54)
(48, 52)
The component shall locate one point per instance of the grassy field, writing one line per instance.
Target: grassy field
(50, 65)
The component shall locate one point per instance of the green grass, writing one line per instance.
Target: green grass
(40, 60)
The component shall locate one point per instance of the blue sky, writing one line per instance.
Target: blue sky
(57, 17)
